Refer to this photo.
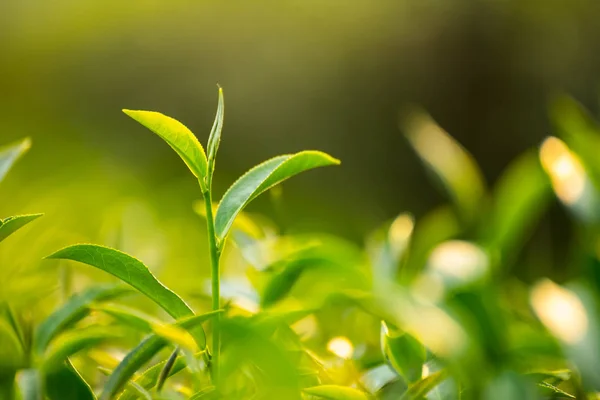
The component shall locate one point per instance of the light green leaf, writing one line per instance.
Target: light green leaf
(178, 136)
(11, 224)
(261, 178)
(73, 342)
(10, 154)
(65, 383)
(215, 134)
(30, 384)
(405, 353)
(334, 392)
(72, 311)
(424, 386)
(454, 166)
(129, 316)
(208, 393)
(143, 353)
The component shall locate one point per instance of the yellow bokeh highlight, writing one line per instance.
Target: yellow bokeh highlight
(565, 170)
(341, 347)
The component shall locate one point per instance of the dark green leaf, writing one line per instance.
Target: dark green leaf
(65, 383)
(261, 178)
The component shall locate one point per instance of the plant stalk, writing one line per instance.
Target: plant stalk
(215, 275)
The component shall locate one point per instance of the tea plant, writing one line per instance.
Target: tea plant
(437, 307)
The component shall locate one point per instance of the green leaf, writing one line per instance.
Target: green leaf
(65, 383)
(30, 384)
(73, 342)
(10, 154)
(334, 392)
(166, 371)
(282, 282)
(424, 386)
(520, 197)
(208, 393)
(178, 136)
(261, 178)
(405, 353)
(449, 161)
(129, 316)
(130, 270)
(215, 134)
(11, 224)
(74, 310)
(150, 377)
(143, 353)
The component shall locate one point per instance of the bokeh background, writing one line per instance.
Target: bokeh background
(327, 75)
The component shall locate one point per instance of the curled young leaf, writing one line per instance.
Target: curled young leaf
(178, 136)
(215, 134)
(261, 178)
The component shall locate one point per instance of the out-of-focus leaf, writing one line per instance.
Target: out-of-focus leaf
(143, 353)
(74, 310)
(405, 353)
(11, 153)
(178, 136)
(30, 384)
(208, 393)
(73, 342)
(11, 224)
(65, 383)
(520, 198)
(283, 280)
(579, 130)
(166, 371)
(215, 134)
(12, 352)
(261, 178)
(129, 316)
(388, 245)
(436, 227)
(449, 161)
(334, 392)
(548, 389)
(421, 388)
(133, 272)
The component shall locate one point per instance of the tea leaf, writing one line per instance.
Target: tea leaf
(334, 392)
(208, 393)
(424, 386)
(10, 154)
(74, 342)
(143, 353)
(130, 270)
(129, 316)
(405, 353)
(11, 224)
(72, 311)
(261, 178)
(178, 136)
(65, 383)
(215, 134)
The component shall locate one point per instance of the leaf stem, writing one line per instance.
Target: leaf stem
(215, 275)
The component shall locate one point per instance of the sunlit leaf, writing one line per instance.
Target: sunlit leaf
(143, 353)
(65, 383)
(207, 393)
(30, 384)
(215, 134)
(449, 161)
(405, 353)
(74, 310)
(133, 272)
(11, 153)
(261, 178)
(178, 136)
(11, 224)
(424, 386)
(334, 392)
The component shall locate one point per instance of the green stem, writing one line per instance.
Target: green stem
(216, 296)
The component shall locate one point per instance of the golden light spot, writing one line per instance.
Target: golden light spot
(428, 288)
(459, 259)
(565, 170)
(341, 347)
(427, 322)
(560, 310)
(426, 371)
